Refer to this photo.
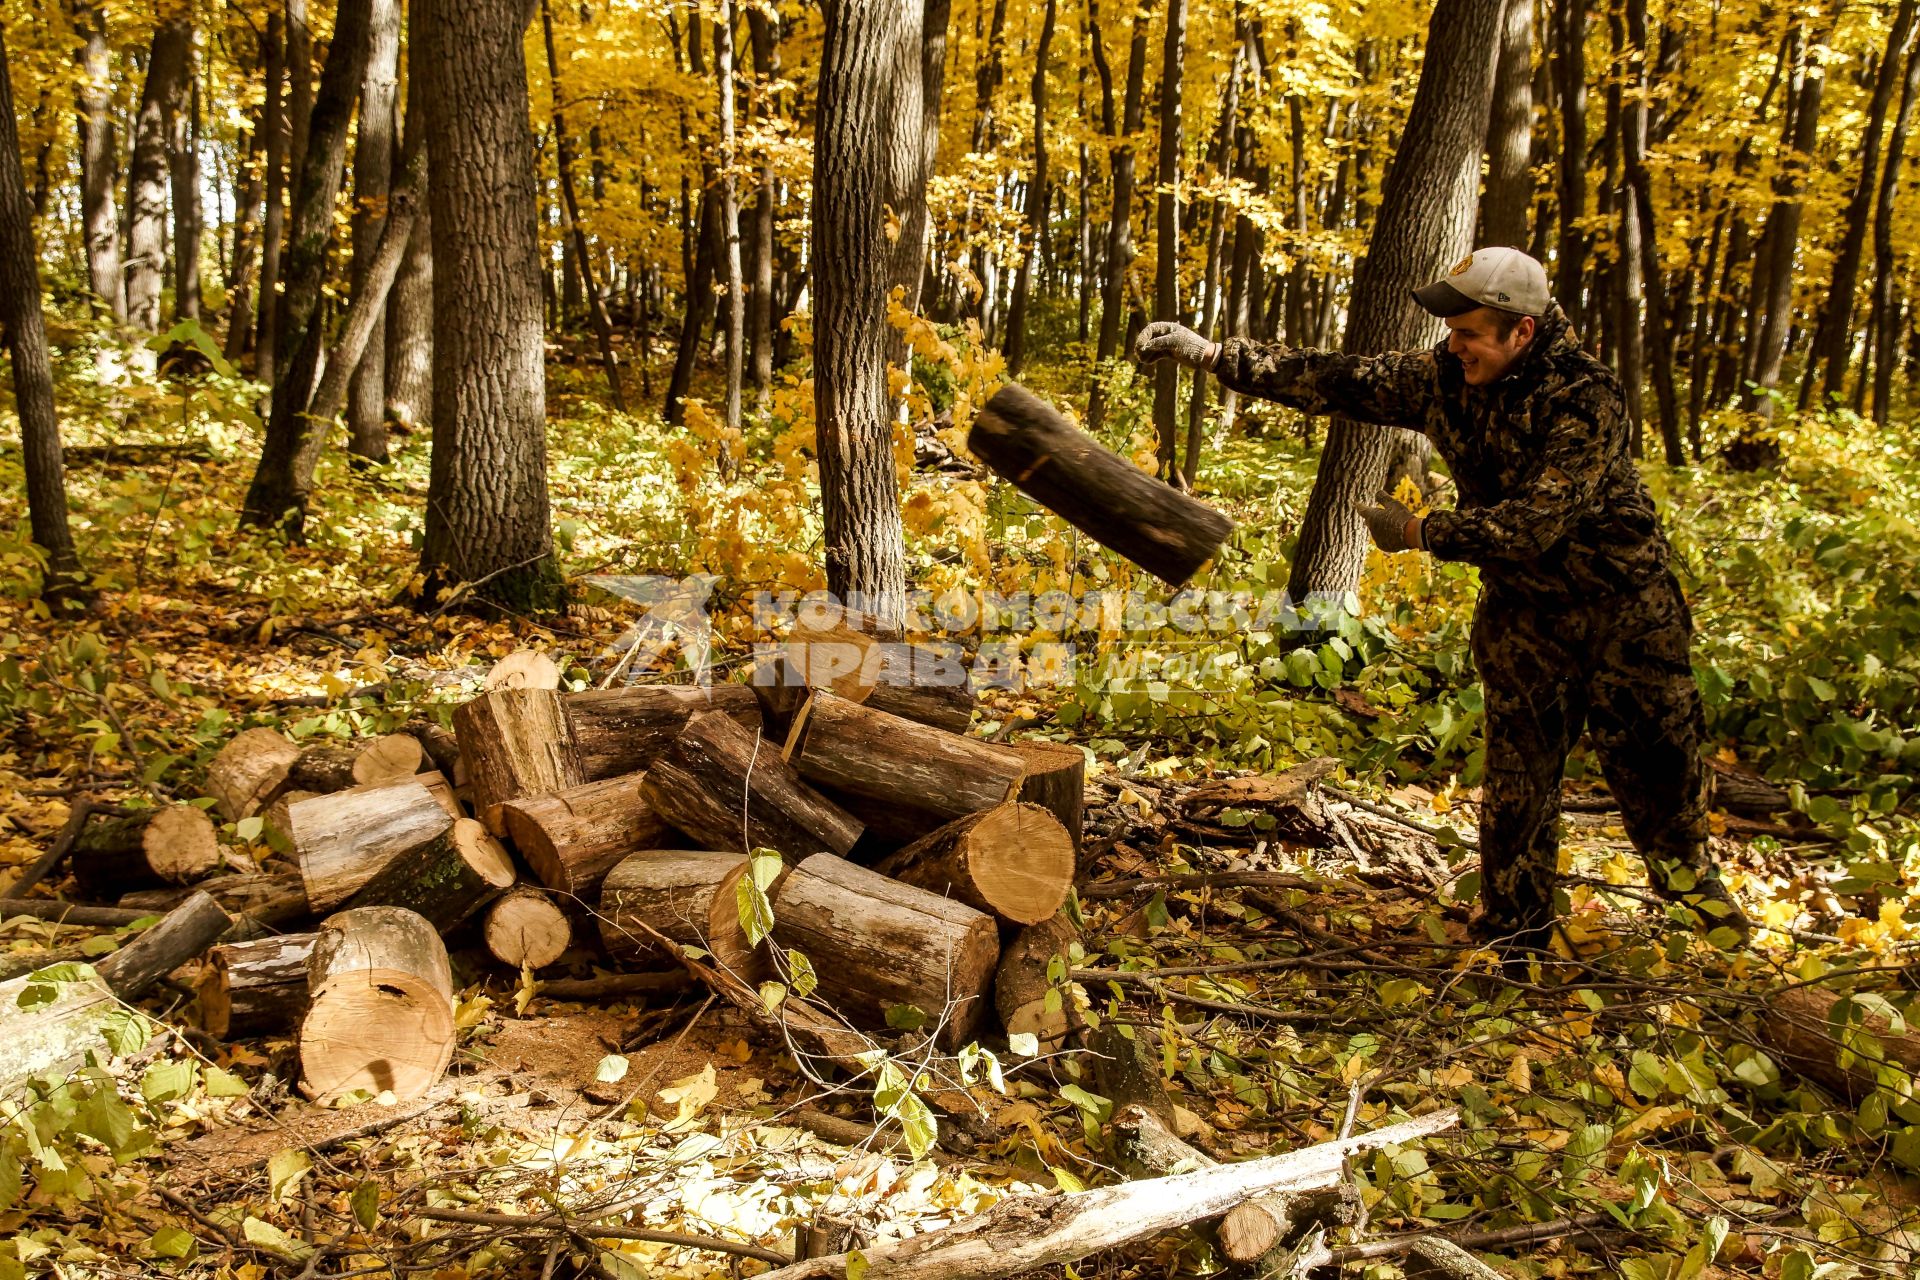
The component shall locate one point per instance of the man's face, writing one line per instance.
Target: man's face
(1474, 338)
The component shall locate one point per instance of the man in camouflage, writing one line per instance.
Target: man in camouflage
(1580, 621)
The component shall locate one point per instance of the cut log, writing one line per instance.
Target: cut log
(381, 1016)
(526, 929)
(523, 669)
(48, 1039)
(876, 943)
(572, 838)
(1799, 1026)
(439, 742)
(239, 893)
(730, 791)
(884, 757)
(938, 706)
(173, 845)
(781, 688)
(1021, 986)
(391, 755)
(342, 840)
(1023, 1232)
(615, 986)
(851, 655)
(178, 937)
(436, 783)
(515, 742)
(1027, 441)
(255, 988)
(446, 879)
(1057, 781)
(689, 897)
(324, 769)
(1014, 862)
(73, 913)
(320, 770)
(250, 772)
(623, 731)
(274, 816)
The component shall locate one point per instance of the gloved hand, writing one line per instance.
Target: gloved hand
(1394, 528)
(1165, 340)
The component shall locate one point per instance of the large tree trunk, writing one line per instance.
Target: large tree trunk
(1120, 223)
(487, 519)
(857, 117)
(1884, 316)
(183, 167)
(409, 347)
(147, 176)
(921, 85)
(1036, 210)
(1166, 249)
(277, 498)
(1425, 222)
(99, 220)
(26, 336)
(1570, 38)
(372, 184)
(1503, 206)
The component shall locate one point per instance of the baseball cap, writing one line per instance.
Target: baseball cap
(1505, 279)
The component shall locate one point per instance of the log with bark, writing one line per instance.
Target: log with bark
(173, 845)
(730, 790)
(381, 1010)
(1013, 861)
(572, 838)
(525, 928)
(888, 758)
(439, 742)
(1024, 1232)
(176, 938)
(240, 893)
(73, 913)
(325, 769)
(1056, 780)
(1799, 1024)
(47, 1037)
(852, 655)
(446, 879)
(255, 988)
(689, 897)
(1102, 494)
(623, 731)
(876, 943)
(250, 772)
(1023, 993)
(513, 743)
(781, 688)
(343, 840)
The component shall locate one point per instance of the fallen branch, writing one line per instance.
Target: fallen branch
(559, 1222)
(1499, 1237)
(75, 913)
(1023, 1232)
(1202, 880)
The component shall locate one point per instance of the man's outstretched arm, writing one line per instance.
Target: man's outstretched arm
(1391, 390)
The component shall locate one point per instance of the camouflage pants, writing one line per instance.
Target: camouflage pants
(1617, 666)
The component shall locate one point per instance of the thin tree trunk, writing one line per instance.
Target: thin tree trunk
(409, 346)
(1570, 17)
(1774, 291)
(1037, 197)
(245, 249)
(147, 176)
(766, 67)
(26, 335)
(372, 185)
(1638, 206)
(1625, 345)
(1120, 225)
(1216, 244)
(487, 518)
(1166, 305)
(183, 165)
(273, 222)
(100, 222)
(730, 221)
(1509, 191)
(349, 355)
(1884, 317)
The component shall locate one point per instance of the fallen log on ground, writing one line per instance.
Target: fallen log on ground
(525, 929)
(335, 768)
(875, 943)
(173, 845)
(1799, 1024)
(1030, 443)
(250, 772)
(513, 743)
(446, 879)
(381, 1015)
(255, 988)
(853, 748)
(73, 913)
(1023, 1232)
(688, 896)
(178, 937)
(614, 986)
(1021, 986)
(622, 731)
(572, 838)
(731, 791)
(342, 840)
(1014, 861)
(240, 893)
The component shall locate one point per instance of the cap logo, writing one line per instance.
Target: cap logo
(1462, 265)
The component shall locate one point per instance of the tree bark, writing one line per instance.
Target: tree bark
(381, 1016)
(853, 748)
(687, 896)
(762, 36)
(344, 839)
(1166, 249)
(147, 177)
(26, 335)
(273, 219)
(255, 988)
(409, 337)
(99, 220)
(1037, 193)
(446, 880)
(487, 520)
(572, 838)
(515, 742)
(730, 221)
(373, 180)
(1120, 249)
(277, 498)
(362, 329)
(1509, 192)
(1773, 274)
(183, 167)
(172, 845)
(621, 731)
(1570, 58)
(1638, 202)
(857, 116)
(1424, 223)
(731, 791)
(1884, 316)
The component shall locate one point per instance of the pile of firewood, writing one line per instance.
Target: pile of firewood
(620, 821)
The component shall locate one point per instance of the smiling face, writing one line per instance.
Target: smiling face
(1476, 341)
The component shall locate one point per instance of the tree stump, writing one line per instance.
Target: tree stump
(622, 731)
(446, 879)
(690, 897)
(174, 845)
(381, 1013)
(875, 943)
(731, 792)
(1014, 861)
(1057, 781)
(526, 929)
(1021, 987)
(255, 988)
(250, 772)
(572, 838)
(884, 757)
(1027, 441)
(515, 742)
(344, 839)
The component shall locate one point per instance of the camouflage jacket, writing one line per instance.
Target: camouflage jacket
(1550, 506)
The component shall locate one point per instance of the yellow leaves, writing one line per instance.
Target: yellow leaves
(1879, 934)
(688, 1096)
(1520, 1072)
(1651, 1121)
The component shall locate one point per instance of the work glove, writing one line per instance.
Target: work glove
(1165, 340)
(1394, 528)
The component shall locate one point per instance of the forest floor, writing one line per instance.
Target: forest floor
(1623, 1095)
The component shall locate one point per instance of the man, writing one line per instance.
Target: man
(1580, 620)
